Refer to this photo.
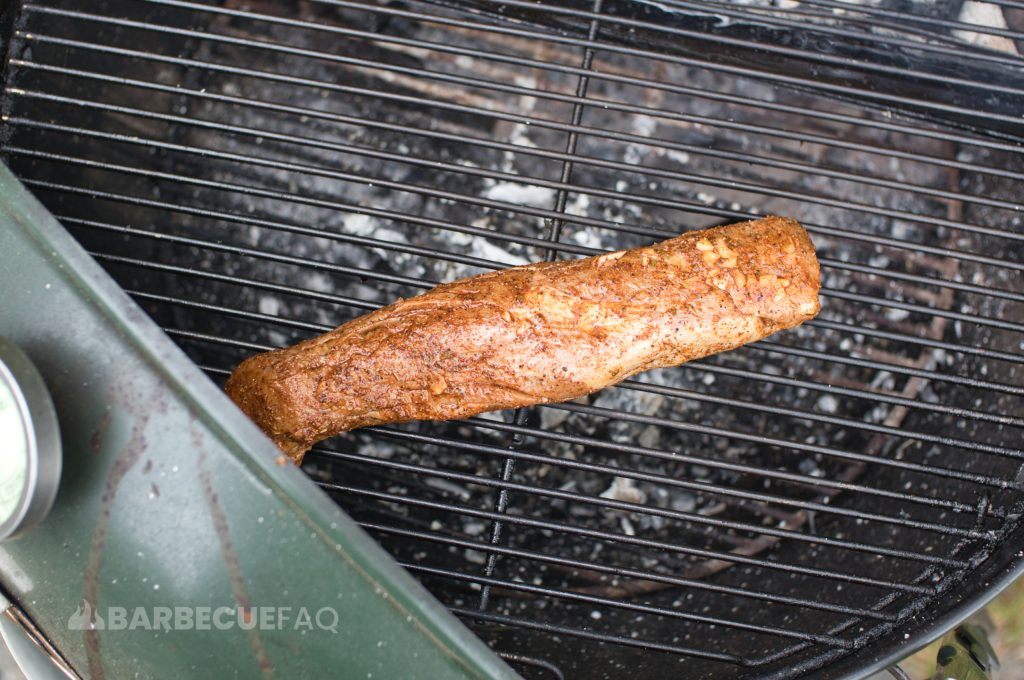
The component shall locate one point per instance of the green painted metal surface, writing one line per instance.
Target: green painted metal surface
(170, 498)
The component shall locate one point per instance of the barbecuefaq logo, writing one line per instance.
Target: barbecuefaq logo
(87, 617)
(84, 618)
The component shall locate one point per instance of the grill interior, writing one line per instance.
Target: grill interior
(257, 172)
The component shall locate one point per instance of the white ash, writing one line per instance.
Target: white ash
(877, 414)
(474, 528)
(988, 15)
(579, 205)
(376, 448)
(521, 194)
(633, 155)
(894, 314)
(448, 487)
(551, 418)
(588, 239)
(683, 501)
(680, 157)
(809, 466)
(320, 282)
(475, 556)
(486, 250)
(699, 471)
(624, 489)
(827, 403)
(269, 305)
(371, 227)
(650, 437)
(883, 380)
(276, 338)
(644, 125)
(644, 403)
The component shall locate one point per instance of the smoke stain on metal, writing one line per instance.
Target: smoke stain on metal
(227, 548)
(96, 440)
(125, 461)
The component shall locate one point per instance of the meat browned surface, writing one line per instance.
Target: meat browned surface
(541, 333)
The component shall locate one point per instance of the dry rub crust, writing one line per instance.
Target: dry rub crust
(540, 333)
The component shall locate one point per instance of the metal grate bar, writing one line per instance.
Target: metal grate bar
(781, 50)
(545, 558)
(581, 14)
(551, 252)
(781, 133)
(532, 662)
(905, 24)
(695, 518)
(629, 540)
(849, 392)
(811, 448)
(768, 16)
(626, 605)
(733, 184)
(826, 262)
(599, 637)
(780, 348)
(703, 365)
(841, 327)
(924, 309)
(318, 233)
(681, 393)
(334, 205)
(775, 475)
(860, 393)
(512, 89)
(724, 465)
(362, 304)
(548, 214)
(568, 157)
(691, 207)
(434, 193)
(903, 16)
(629, 384)
(799, 480)
(696, 486)
(718, 8)
(830, 263)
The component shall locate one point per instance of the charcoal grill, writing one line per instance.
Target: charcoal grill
(254, 173)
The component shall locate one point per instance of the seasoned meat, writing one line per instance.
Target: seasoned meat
(540, 333)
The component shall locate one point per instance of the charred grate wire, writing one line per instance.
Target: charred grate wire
(555, 229)
(256, 174)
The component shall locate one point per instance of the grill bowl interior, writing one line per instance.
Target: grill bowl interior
(255, 174)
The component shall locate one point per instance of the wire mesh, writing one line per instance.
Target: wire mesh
(257, 173)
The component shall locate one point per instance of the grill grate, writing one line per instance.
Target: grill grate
(256, 173)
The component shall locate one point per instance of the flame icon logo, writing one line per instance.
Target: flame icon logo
(84, 618)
